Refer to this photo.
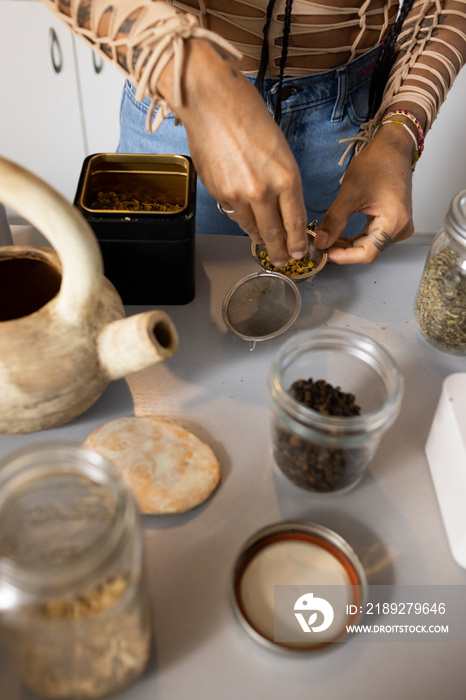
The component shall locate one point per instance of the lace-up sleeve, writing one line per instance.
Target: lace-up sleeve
(139, 37)
(431, 52)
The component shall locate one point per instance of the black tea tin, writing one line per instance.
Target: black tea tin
(141, 208)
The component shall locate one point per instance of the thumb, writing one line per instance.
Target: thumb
(333, 224)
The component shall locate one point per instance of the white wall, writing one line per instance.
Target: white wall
(441, 172)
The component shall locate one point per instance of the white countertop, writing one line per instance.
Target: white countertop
(217, 388)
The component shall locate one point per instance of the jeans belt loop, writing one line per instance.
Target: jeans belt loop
(338, 109)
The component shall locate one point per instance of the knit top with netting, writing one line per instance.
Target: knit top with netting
(422, 52)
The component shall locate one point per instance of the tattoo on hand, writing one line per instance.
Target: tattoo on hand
(380, 239)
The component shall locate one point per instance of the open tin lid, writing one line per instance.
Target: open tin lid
(296, 586)
(261, 306)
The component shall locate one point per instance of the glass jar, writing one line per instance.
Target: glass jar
(319, 451)
(74, 608)
(440, 304)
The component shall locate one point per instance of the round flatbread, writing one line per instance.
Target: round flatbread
(168, 469)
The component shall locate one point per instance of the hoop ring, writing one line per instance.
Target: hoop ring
(224, 211)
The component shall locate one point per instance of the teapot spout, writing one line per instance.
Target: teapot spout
(133, 343)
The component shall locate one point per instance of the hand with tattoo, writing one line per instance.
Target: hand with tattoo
(377, 183)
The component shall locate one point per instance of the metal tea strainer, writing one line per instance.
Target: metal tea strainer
(261, 306)
(318, 258)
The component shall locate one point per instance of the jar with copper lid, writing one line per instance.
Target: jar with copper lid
(74, 608)
(440, 304)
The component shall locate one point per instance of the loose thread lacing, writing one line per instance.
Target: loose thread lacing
(160, 31)
(413, 43)
(157, 35)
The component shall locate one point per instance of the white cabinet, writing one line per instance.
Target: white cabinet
(56, 107)
(40, 120)
(101, 85)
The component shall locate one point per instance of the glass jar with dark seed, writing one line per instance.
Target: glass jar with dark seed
(333, 394)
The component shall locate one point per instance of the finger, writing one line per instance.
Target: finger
(367, 226)
(333, 224)
(405, 232)
(269, 227)
(295, 221)
(244, 217)
(268, 231)
(225, 209)
(343, 242)
(365, 248)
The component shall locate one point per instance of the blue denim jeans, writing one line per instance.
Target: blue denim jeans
(317, 111)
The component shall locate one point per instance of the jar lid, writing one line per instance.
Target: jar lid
(456, 218)
(261, 306)
(296, 586)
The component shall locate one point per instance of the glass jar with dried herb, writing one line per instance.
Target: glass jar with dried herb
(440, 305)
(333, 394)
(74, 608)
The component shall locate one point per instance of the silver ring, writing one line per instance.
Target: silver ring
(224, 211)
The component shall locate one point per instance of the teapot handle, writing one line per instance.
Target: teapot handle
(66, 230)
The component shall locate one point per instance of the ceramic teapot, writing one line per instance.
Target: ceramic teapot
(63, 331)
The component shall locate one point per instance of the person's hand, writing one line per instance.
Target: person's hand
(240, 153)
(378, 183)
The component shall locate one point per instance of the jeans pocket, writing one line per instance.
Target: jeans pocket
(358, 103)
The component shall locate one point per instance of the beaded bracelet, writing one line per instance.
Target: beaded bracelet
(417, 154)
(415, 121)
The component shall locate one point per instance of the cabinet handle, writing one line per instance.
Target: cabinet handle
(55, 51)
(98, 63)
